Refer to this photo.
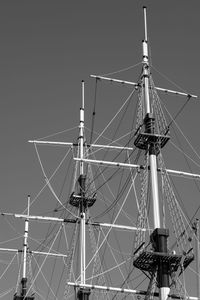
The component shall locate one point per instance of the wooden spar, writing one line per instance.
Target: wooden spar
(166, 91)
(73, 144)
(48, 253)
(126, 291)
(37, 218)
(106, 288)
(115, 80)
(116, 164)
(117, 226)
(111, 163)
(181, 173)
(52, 143)
(140, 167)
(53, 219)
(34, 252)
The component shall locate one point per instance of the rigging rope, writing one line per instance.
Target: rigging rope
(97, 266)
(168, 79)
(47, 180)
(33, 281)
(178, 113)
(6, 292)
(59, 132)
(175, 213)
(127, 99)
(161, 122)
(190, 145)
(19, 272)
(53, 268)
(142, 215)
(43, 262)
(94, 111)
(70, 260)
(122, 70)
(116, 217)
(152, 286)
(130, 139)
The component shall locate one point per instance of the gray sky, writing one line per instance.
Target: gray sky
(48, 47)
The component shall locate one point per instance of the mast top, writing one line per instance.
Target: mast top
(83, 91)
(145, 23)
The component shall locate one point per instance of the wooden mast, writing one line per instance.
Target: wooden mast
(23, 294)
(159, 235)
(83, 293)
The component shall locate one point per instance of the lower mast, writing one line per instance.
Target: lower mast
(24, 292)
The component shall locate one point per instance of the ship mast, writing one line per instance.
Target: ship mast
(24, 278)
(159, 235)
(149, 128)
(83, 293)
(23, 294)
(82, 188)
(159, 261)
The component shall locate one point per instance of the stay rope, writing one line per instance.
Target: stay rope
(142, 214)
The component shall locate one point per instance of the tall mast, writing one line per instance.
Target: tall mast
(82, 188)
(83, 294)
(158, 261)
(79, 200)
(149, 120)
(159, 235)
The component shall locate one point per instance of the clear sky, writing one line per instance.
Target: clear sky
(47, 47)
